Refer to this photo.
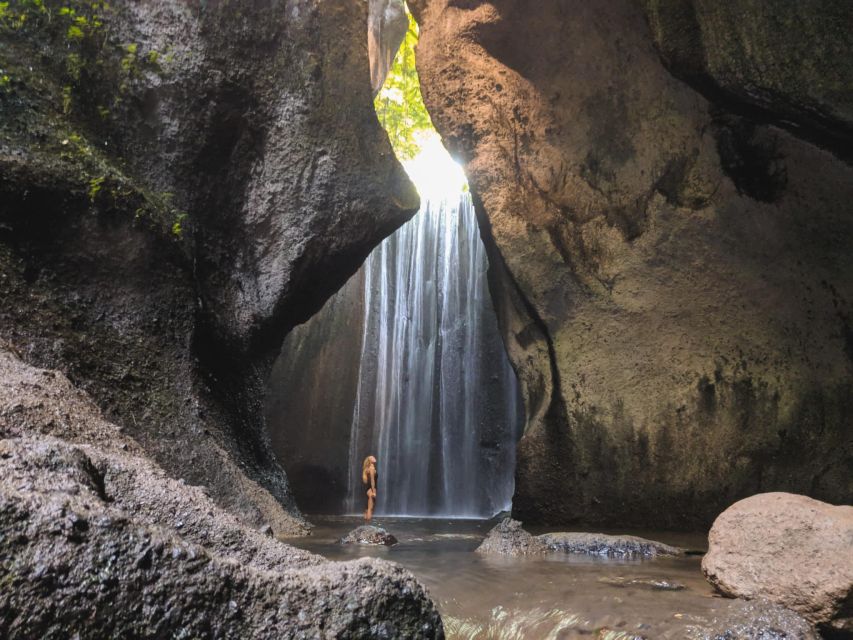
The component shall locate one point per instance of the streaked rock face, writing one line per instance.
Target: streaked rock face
(674, 274)
(386, 27)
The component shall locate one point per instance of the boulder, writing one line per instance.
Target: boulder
(657, 285)
(370, 535)
(790, 549)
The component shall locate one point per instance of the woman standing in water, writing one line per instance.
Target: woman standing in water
(368, 477)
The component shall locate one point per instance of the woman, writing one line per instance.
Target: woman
(368, 477)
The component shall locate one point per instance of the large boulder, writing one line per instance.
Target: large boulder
(672, 270)
(787, 548)
(97, 541)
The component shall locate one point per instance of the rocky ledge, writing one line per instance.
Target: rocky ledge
(94, 535)
(509, 538)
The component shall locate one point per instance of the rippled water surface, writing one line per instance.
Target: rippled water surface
(558, 596)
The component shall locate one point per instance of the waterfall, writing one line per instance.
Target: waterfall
(437, 401)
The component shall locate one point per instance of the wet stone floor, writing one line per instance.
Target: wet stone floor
(556, 596)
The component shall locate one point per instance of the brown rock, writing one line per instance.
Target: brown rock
(674, 278)
(790, 549)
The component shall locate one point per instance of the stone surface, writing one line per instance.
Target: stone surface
(790, 549)
(599, 544)
(787, 61)
(509, 538)
(673, 273)
(370, 535)
(95, 536)
(178, 188)
(756, 620)
(386, 27)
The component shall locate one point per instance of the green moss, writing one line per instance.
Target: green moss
(59, 110)
(399, 104)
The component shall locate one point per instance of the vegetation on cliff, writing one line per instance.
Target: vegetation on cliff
(400, 105)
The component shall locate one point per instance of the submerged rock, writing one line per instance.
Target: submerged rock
(757, 620)
(655, 584)
(790, 549)
(369, 534)
(509, 538)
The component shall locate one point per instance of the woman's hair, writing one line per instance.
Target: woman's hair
(364, 467)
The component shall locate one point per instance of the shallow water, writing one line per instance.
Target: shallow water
(557, 596)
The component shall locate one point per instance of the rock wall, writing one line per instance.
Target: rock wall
(180, 183)
(672, 267)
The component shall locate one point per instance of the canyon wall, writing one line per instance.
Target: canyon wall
(666, 193)
(181, 183)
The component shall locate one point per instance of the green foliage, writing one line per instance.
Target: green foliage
(95, 185)
(399, 104)
(177, 229)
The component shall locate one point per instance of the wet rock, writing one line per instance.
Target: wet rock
(89, 539)
(655, 584)
(599, 544)
(509, 539)
(756, 620)
(369, 534)
(790, 549)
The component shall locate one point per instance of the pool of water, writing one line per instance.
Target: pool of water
(556, 596)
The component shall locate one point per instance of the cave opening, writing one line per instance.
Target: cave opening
(406, 361)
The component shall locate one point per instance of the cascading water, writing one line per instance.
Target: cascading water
(406, 359)
(437, 400)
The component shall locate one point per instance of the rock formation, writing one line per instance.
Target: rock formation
(665, 192)
(95, 536)
(386, 27)
(509, 538)
(180, 183)
(789, 549)
(369, 535)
